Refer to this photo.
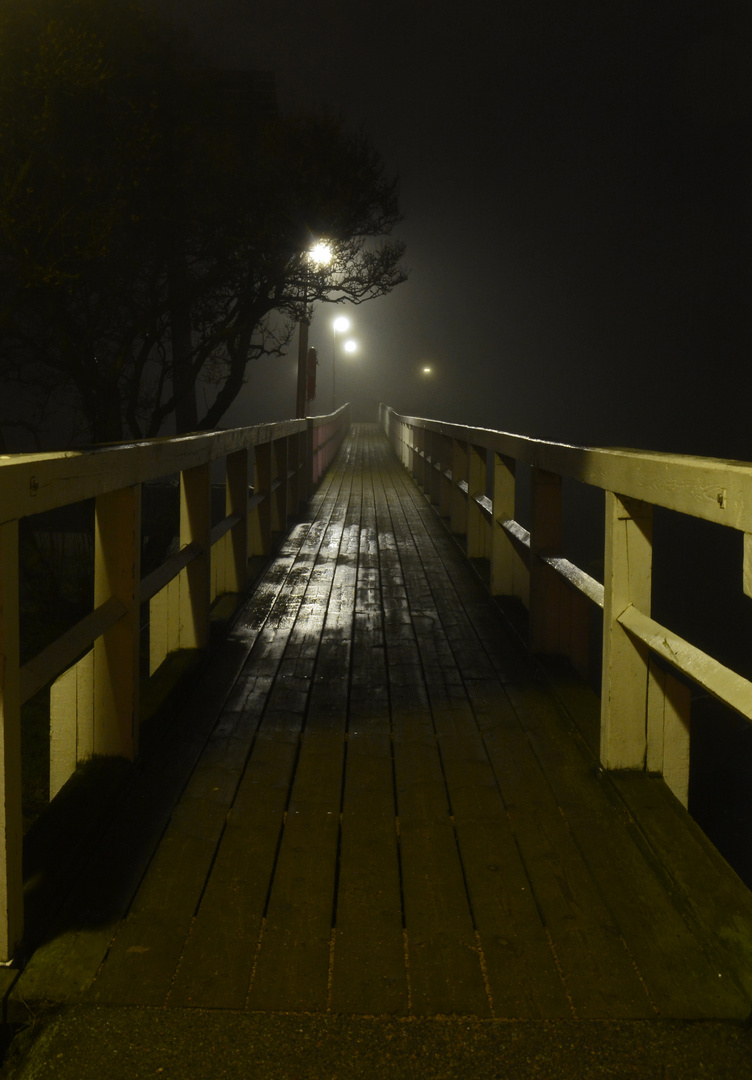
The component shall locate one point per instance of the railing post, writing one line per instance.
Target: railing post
(434, 468)
(117, 573)
(404, 434)
(624, 684)
(545, 539)
(445, 483)
(11, 826)
(195, 578)
(260, 518)
(297, 470)
(418, 467)
(236, 504)
(476, 487)
(669, 706)
(428, 457)
(458, 517)
(279, 482)
(506, 564)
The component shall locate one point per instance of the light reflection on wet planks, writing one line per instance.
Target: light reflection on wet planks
(390, 816)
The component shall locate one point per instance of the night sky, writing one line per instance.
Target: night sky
(578, 208)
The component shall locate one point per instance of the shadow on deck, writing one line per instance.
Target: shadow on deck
(371, 804)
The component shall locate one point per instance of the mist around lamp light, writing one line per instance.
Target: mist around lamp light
(340, 325)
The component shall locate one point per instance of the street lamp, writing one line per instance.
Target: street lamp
(320, 255)
(340, 326)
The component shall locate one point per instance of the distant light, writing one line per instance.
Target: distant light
(341, 323)
(350, 346)
(427, 370)
(320, 253)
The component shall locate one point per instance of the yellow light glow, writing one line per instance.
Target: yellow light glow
(351, 346)
(427, 369)
(340, 324)
(320, 253)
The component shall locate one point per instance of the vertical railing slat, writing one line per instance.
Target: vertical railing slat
(624, 684)
(458, 519)
(236, 504)
(117, 573)
(476, 487)
(545, 539)
(195, 578)
(11, 826)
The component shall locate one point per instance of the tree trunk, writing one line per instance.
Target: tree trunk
(106, 418)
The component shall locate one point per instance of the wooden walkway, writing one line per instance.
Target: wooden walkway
(374, 808)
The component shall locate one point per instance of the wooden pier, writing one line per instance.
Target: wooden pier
(373, 803)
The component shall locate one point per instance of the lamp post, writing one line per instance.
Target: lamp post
(320, 254)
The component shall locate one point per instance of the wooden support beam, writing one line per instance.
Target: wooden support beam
(669, 706)
(117, 574)
(478, 546)
(71, 721)
(627, 580)
(545, 540)
(236, 505)
(259, 519)
(195, 579)
(458, 518)
(279, 477)
(503, 555)
(11, 829)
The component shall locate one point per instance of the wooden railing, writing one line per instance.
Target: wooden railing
(93, 669)
(469, 474)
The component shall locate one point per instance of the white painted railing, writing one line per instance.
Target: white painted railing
(644, 708)
(93, 669)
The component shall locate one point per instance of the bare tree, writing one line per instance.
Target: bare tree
(153, 217)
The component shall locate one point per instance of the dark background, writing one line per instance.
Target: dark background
(577, 198)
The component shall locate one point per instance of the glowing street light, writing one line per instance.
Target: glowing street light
(319, 255)
(340, 326)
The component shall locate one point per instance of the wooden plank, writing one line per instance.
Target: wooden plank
(597, 970)
(519, 966)
(217, 963)
(716, 904)
(292, 965)
(145, 951)
(368, 973)
(671, 959)
(445, 974)
(524, 981)
(217, 960)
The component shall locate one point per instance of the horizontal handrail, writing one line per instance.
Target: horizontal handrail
(711, 489)
(459, 465)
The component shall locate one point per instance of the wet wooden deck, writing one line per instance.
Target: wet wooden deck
(375, 808)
